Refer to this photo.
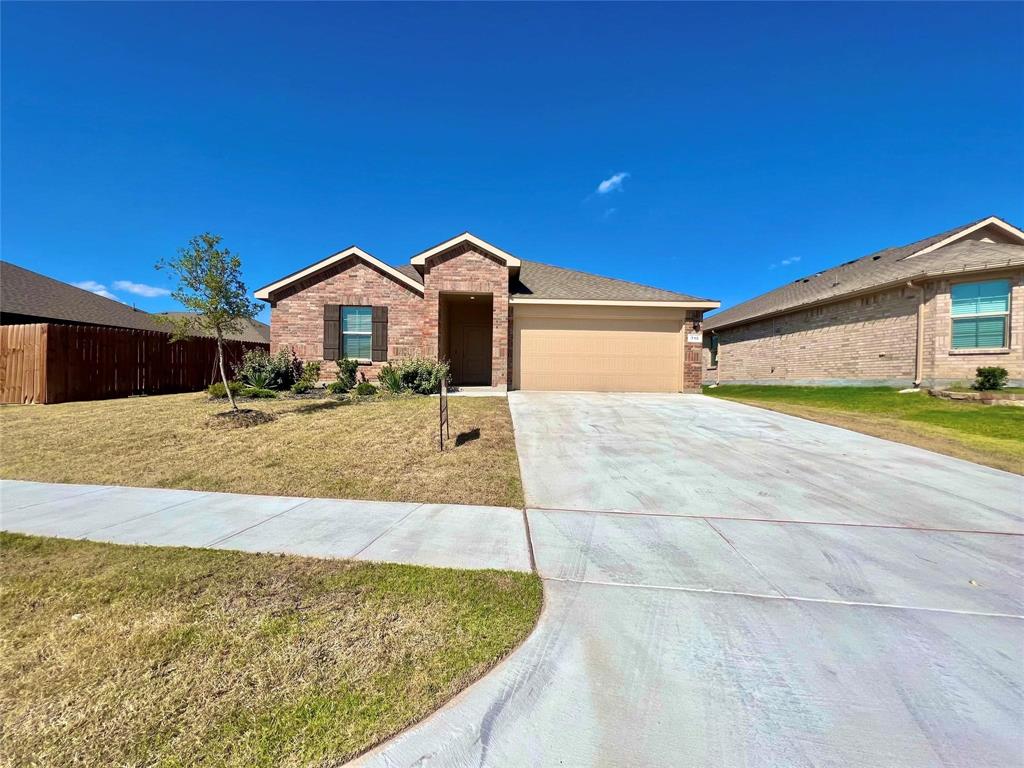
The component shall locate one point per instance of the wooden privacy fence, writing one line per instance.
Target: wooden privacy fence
(50, 363)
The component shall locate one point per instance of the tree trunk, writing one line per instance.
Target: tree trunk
(224, 376)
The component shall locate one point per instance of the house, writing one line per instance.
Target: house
(928, 313)
(29, 297)
(61, 343)
(253, 331)
(500, 320)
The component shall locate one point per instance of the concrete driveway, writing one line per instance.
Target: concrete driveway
(727, 586)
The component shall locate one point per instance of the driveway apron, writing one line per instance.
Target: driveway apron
(728, 586)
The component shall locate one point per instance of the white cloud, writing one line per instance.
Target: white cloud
(785, 262)
(610, 212)
(140, 289)
(612, 183)
(98, 288)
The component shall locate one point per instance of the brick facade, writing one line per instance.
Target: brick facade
(868, 339)
(692, 361)
(942, 365)
(465, 270)
(297, 312)
(415, 320)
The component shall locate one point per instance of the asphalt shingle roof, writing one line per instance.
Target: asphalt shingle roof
(884, 267)
(544, 281)
(253, 330)
(24, 292)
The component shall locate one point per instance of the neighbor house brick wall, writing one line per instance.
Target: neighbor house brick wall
(466, 270)
(692, 376)
(297, 312)
(864, 339)
(942, 365)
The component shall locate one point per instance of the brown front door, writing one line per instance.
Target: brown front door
(472, 355)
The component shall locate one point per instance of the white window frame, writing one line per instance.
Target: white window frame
(345, 333)
(1005, 315)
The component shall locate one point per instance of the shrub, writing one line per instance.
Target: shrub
(364, 388)
(347, 373)
(260, 379)
(308, 378)
(389, 379)
(258, 392)
(338, 388)
(217, 389)
(414, 374)
(286, 367)
(990, 378)
(255, 361)
(262, 370)
(310, 372)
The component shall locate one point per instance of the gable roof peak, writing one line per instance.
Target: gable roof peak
(510, 261)
(353, 250)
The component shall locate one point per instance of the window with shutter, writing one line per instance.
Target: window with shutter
(356, 330)
(380, 335)
(980, 315)
(332, 335)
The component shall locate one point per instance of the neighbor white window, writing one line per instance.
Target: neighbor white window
(356, 332)
(981, 315)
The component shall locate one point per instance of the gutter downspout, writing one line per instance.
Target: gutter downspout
(919, 346)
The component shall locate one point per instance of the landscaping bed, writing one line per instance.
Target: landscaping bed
(380, 447)
(115, 655)
(999, 397)
(991, 435)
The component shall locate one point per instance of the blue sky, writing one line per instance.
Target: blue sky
(718, 150)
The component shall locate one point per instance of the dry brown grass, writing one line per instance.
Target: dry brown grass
(370, 450)
(142, 656)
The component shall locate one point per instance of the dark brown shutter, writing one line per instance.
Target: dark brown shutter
(332, 331)
(379, 341)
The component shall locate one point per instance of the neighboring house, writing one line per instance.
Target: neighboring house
(500, 320)
(29, 297)
(253, 331)
(926, 313)
(60, 343)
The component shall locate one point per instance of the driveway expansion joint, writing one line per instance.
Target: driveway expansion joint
(783, 597)
(777, 521)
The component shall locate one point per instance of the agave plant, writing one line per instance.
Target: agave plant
(390, 379)
(260, 379)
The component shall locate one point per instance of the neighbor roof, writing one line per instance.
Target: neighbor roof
(252, 330)
(940, 254)
(24, 292)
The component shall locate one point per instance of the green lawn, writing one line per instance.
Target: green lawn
(146, 656)
(992, 435)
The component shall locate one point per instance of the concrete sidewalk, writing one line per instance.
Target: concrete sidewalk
(442, 535)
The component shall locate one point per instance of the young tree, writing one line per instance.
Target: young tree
(210, 286)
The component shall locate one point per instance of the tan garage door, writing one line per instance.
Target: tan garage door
(558, 348)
